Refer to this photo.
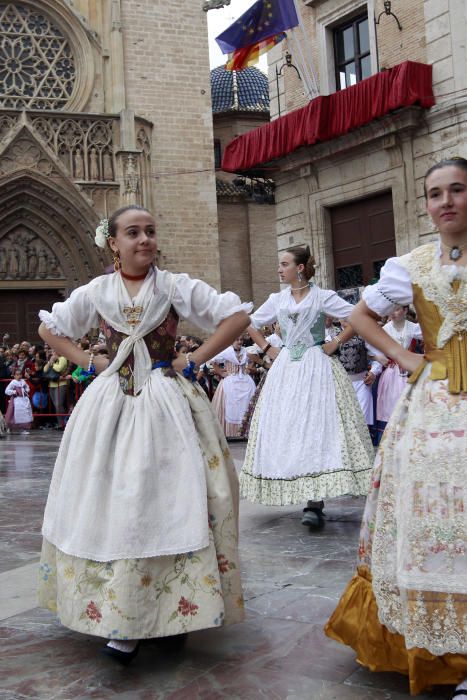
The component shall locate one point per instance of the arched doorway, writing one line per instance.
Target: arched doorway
(46, 247)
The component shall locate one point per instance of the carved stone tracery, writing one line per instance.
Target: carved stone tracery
(24, 154)
(84, 145)
(37, 65)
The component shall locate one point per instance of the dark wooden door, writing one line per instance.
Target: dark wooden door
(19, 312)
(362, 240)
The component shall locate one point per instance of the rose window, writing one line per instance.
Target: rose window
(37, 67)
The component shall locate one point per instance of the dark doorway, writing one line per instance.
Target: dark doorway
(19, 310)
(362, 240)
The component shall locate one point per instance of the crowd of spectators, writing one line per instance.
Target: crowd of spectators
(56, 384)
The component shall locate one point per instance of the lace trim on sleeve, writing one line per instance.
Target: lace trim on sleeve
(48, 321)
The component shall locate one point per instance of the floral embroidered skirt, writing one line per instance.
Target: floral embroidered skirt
(158, 596)
(406, 609)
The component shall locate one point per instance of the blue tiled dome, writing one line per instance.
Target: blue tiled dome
(246, 90)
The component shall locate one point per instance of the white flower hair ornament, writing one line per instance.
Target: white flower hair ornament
(102, 233)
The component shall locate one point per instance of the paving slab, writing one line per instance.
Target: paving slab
(292, 579)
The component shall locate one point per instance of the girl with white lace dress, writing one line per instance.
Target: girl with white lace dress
(394, 379)
(235, 389)
(308, 438)
(19, 412)
(140, 527)
(406, 609)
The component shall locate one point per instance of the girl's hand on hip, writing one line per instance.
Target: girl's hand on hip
(272, 353)
(329, 348)
(179, 363)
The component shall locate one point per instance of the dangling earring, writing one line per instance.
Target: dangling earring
(299, 276)
(117, 263)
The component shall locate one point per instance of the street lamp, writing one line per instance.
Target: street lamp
(287, 64)
(388, 11)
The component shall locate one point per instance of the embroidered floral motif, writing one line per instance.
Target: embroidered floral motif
(160, 344)
(294, 317)
(214, 462)
(186, 608)
(133, 314)
(224, 564)
(93, 612)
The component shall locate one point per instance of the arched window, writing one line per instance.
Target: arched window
(37, 64)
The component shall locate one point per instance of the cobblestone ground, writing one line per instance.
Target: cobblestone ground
(292, 581)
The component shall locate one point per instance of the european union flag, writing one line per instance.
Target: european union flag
(264, 19)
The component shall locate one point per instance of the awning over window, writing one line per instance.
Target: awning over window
(325, 118)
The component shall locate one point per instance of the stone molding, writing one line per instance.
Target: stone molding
(87, 147)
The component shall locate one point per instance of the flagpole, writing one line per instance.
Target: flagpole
(311, 81)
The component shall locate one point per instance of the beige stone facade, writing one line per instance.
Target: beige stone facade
(114, 108)
(388, 155)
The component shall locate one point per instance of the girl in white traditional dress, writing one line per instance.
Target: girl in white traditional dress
(140, 527)
(19, 412)
(394, 378)
(236, 388)
(308, 438)
(406, 609)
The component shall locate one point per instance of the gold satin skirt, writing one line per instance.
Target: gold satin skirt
(355, 623)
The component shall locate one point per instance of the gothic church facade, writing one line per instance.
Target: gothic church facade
(102, 103)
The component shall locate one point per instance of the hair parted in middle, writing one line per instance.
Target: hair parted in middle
(303, 256)
(455, 161)
(112, 221)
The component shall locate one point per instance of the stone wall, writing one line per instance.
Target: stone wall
(391, 154)
(151, 58)
(167, 80)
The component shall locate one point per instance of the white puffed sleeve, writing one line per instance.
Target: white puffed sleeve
(393, 288)
(198, 302)
(72, 318)
(218, 359)
(415, 331)
(267, 312)
(333, 305)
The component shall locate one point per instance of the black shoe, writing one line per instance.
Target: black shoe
(313, 518)
(459, 693)
(122, 657)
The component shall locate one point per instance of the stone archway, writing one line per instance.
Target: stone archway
(46, 234)
(46, 248)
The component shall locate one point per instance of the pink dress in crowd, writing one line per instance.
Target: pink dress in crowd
(393, 379)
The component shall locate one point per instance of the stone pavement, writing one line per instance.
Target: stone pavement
(292, 581)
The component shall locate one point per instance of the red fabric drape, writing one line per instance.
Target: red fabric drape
(327, 117)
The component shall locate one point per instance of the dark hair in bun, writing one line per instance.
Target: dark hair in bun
(303, 256)
(456, 161)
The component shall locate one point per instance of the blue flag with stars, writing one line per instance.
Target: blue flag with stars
(264, 19)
